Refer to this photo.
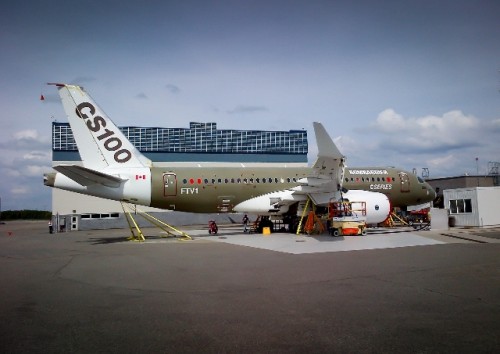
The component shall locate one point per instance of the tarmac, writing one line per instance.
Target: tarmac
(390, 291)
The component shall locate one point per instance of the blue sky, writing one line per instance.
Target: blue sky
(411, 84)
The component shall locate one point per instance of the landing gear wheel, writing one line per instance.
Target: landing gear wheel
(336, 233)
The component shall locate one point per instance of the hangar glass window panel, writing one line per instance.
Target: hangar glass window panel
(199, 137)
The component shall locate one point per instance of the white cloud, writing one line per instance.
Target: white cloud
(29, 134)
(34, 170)
(247, 109)
(390, 121)
(452, 130)
(11, 172)
(495, 124)
(27, 139)
(448, 160)
(37, 156)
(19, 190)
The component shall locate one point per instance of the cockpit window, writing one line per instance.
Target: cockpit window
(420, 180)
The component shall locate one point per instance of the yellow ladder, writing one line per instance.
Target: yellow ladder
(304, 212)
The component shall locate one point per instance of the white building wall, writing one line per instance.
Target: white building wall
(67, 203)
(462, 219)
(489, 206)
(485, 205)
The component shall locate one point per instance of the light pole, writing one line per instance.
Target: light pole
(477, 170)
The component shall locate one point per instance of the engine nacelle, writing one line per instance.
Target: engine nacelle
(269, 204)
(378, 207)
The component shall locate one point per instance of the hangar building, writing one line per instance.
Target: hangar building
(476, 206)
(200, 144)
(470, 200)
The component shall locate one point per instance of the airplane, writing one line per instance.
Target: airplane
(114, 169)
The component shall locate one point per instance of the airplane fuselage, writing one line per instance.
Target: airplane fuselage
(217, 189)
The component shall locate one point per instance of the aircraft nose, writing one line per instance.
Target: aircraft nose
(431, 191)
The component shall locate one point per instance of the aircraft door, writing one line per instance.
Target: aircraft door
(224, 203)
(169, 185)
(405, 182)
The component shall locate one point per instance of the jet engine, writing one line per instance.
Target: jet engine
(378, 207)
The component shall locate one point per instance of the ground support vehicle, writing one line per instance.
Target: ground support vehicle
(347, 218)
(347, 226)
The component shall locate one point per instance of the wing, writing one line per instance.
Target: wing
(323, 184)
(86, 176)
(327, 173)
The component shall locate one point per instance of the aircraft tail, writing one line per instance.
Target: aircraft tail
(100, 143)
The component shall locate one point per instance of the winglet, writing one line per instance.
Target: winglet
(326, 146)
(55, 84)
(330, 162)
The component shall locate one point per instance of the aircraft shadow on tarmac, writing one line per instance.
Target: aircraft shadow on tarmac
(125, 239)
(325, 237)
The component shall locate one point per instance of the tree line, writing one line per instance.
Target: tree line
(25, 215)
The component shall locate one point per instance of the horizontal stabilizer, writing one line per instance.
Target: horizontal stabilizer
(86, 176)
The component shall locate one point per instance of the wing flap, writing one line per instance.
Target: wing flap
(86, 176)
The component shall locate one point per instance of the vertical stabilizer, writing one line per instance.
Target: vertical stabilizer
(100, 143)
